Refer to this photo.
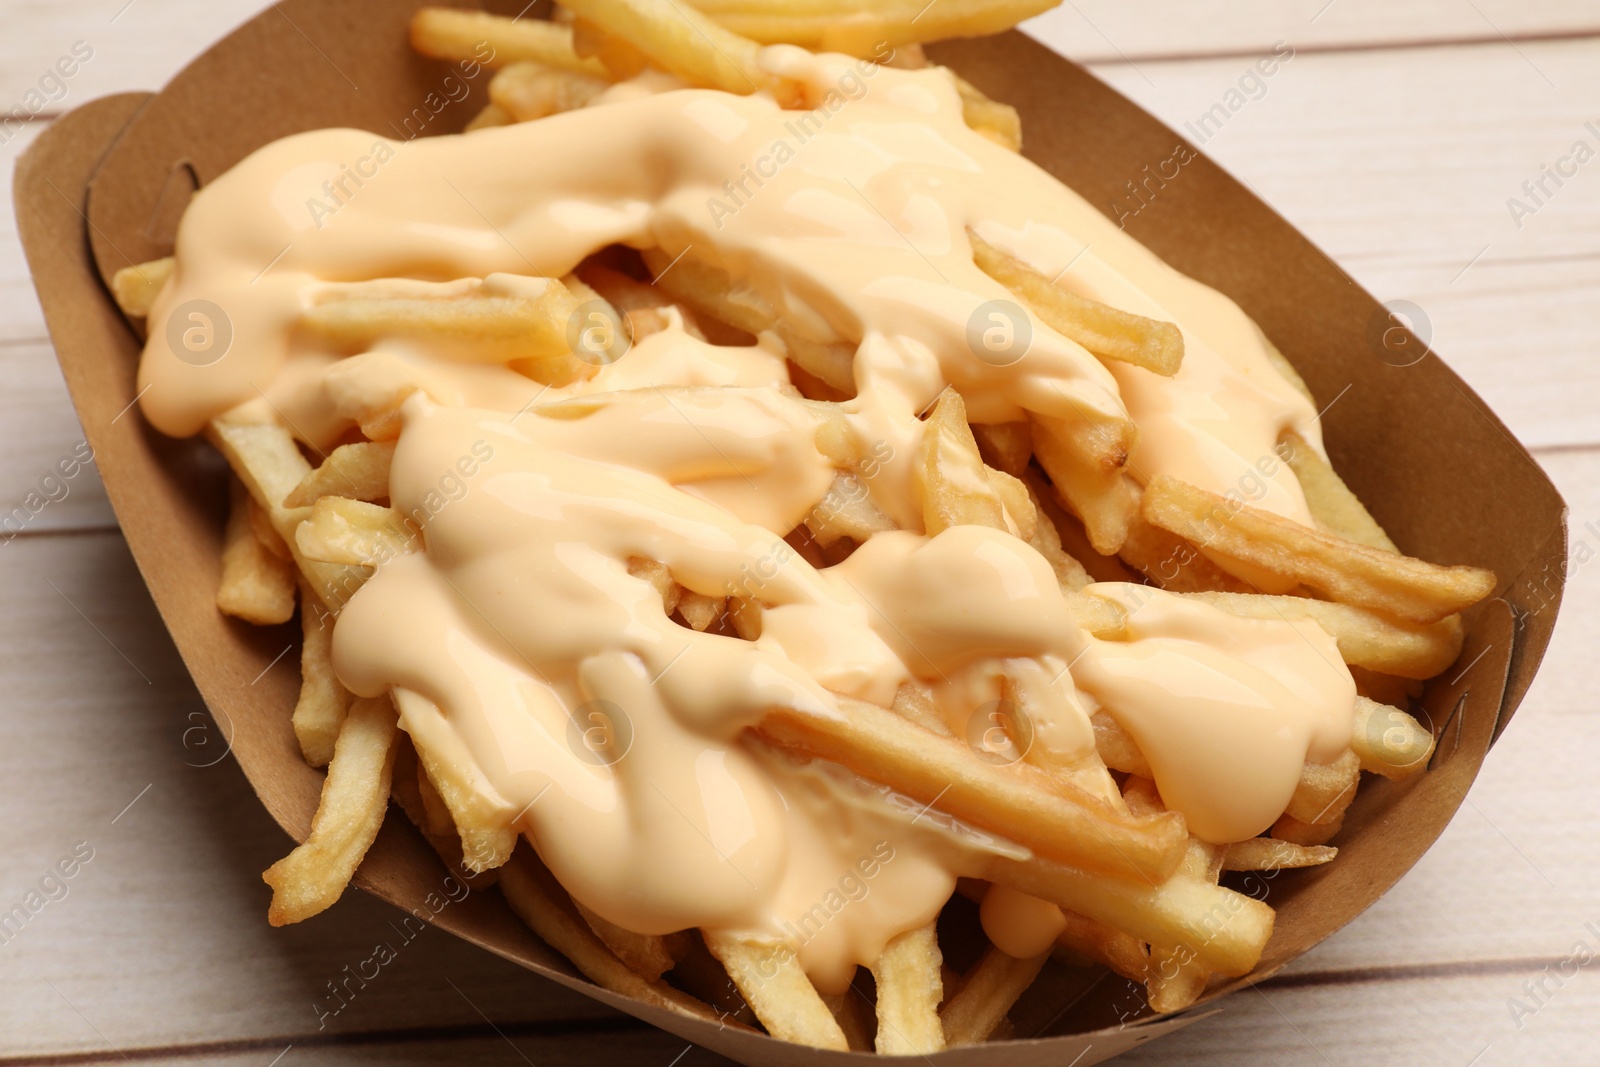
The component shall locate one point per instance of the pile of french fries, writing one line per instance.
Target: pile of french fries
(1142, 897)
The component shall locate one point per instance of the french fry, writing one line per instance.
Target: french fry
(846, 510)
(320, 710)
(1365, 638)
(909, 992)
(1308, 834)
(1269, 854)
(950, 474)
(1104, 331)
(698, 610)
(1121, 952)
(657, 574)
(1177, 977)
(490, 115)
(1228, 930)
(1046, 540)
(487, 838)
(1334, 508)
(349, 814)
(409, 787)
(1116, 746)
(527, 91)
(772, 982)
(1389, 742)
(495, 41)
(916, 703)
(1085, 462)
(359, 471)
(1017, 801)
(985, 996)
(1005, 446)
(256, 585)
(270, 465)
(621, 57)
(527, 332)
(1173, 563)
(1344, 571)
(135, 288)
(684, 42)
(539, 901)
(840, 26)
(712, 292)
(998, 122)
(1325, 790)
(644, 954)
(353, 532)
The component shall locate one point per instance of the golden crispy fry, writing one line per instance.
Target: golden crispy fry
(745, 614)
(684, 42)
(256, 586)
(1117, 748)
(526, 91)
(1343, 570)
(1325, 790)
(772, 982)
(320, 710)
(1389, 742)
(135, 288)
(1123, 953)
(621, 57)
(1097, 615)
(917, 704)
(645, 954)
(341, 530)
(359, 471)
(494, 41)
(863, 30)
(1177, 977)
(698, 610)
(950, 474)
(1005, 446)
(354, 799)
(490, 115)
(1046, 540)
(1019, 801)
(540, 902)
(1228, 930)
(657, 574)
(526, 330)
(712, 292)
(1366, 638)
(270, 465)
(1085, 463)
(998, 122)
(1292, 830)
(1334, 508)
(909, 992)
(409, 787)
(1174, 564)
(1268, 854)
(1021, 516)
(985, 995)
(846, 510)
(487, 838)
(1106, 332)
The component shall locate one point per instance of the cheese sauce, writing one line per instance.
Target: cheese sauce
(551, 680)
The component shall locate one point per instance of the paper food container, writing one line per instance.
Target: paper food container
(104, 188)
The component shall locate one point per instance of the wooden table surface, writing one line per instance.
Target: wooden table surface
(1394, 137)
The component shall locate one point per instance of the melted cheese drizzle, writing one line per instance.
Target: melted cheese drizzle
(519, 628)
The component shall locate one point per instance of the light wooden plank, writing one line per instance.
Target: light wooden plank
(1106, 30)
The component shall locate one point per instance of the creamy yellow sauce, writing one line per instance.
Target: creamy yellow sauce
(519, 631)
